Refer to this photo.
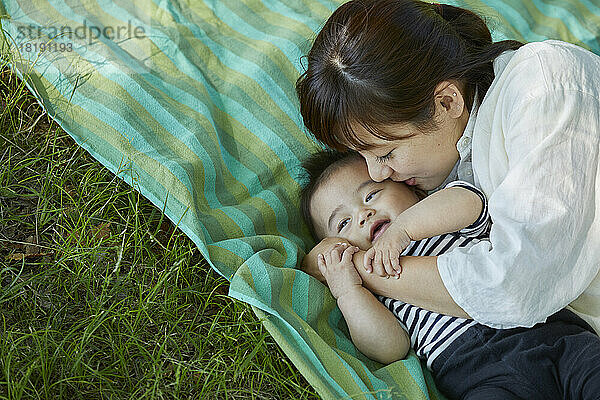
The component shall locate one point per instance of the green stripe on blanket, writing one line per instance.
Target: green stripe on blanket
(194, 105)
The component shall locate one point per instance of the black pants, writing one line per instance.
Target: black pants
(559, 359)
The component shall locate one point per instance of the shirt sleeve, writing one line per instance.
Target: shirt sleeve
(480, 228)
(544, 247)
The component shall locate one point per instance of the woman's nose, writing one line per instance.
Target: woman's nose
(378, 172)
(364, 215)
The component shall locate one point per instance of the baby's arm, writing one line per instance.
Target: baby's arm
(375, 331)
(458, 206)
(447, 210)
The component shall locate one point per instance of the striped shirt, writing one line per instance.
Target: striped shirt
(431, 333)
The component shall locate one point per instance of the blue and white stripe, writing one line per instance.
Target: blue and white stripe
(431, 333)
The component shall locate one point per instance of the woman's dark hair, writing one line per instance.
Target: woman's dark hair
(378, 62)
(318, 168)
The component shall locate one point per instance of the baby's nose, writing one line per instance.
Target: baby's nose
(365, 215)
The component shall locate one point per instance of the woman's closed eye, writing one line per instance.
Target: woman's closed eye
(385, 158)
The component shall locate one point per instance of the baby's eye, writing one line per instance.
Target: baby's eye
(342, 224)
(370, 195)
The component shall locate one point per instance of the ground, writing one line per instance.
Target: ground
(101, 296)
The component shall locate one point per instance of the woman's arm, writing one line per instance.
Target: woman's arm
(419, 284)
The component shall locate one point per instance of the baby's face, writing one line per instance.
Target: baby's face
(350, 205)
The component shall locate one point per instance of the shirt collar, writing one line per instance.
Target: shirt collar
(463, 145)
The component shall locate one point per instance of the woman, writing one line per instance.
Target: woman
(425, 96)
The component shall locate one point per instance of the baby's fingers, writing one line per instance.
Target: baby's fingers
(378, 266)
(327, 257)
(388, 262)
(348, 253)
(368, 259)
(337, 251)
(321, 264)
(396, 263)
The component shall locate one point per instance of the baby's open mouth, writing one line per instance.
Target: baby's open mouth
(378, 228)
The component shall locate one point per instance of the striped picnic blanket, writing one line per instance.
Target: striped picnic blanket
(193, 103)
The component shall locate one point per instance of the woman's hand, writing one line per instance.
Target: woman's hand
(384, 257)
(309, 263)
(338, 269)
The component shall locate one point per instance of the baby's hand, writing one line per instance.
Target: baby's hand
(384, 257)
(309, 263)
(338, 269)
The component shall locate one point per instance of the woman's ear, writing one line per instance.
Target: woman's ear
(449, 99)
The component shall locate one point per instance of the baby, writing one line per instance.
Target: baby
(556, 359)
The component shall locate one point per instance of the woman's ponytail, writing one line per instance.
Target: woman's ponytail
(479, 51)
(469, 26)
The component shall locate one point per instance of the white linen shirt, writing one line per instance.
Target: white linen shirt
(534, 144)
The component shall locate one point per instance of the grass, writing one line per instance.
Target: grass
(103, 298)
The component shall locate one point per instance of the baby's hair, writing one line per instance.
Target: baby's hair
(319, 167)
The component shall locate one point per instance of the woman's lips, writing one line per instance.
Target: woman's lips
(411, 182)
(378, 228)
